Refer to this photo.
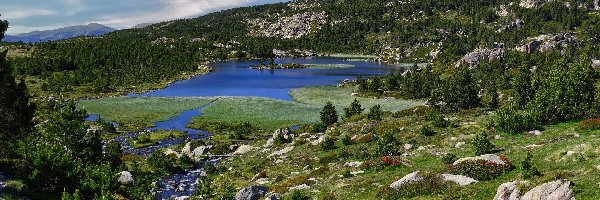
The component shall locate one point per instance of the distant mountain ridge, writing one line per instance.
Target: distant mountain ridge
(92, 29)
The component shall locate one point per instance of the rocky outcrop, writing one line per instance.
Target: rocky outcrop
(288, 27)
(547, 42)
(416, 176)
(533, 3)
(282, 151)
(482, 54)
(125, 177)
(201, 150)
(555, 190)
(251, 193)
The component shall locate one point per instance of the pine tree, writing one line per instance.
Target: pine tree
(375, 113)
(329, 114)
(354, 109)
(16, 111)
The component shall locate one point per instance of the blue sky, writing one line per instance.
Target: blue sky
(29, 15)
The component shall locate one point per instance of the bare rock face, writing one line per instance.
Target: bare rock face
(251, 193)
(555, 190)
(533, 3)
(288, 27)
(412, 177)
(547, 42)
(482, 54)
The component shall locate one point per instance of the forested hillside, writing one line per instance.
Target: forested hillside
(441, 32)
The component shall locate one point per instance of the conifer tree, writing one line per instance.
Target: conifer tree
(329, 114)
(354, 109)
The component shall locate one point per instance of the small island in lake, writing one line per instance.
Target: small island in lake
(301, 66)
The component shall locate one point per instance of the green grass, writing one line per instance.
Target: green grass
(341, 98)
(262, 113)
(152, 138)
(134, 113)
(550, 159)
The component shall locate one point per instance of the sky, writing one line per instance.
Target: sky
(30, 15)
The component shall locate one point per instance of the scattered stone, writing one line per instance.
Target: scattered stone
(488, 157)
(263, 181)
(242, 150)
(278, 161)
(254, 192)
(555, 190)
(532, 146)
(273, 196)
(357, 172)
(300, 187)
(318, 141)
(453, 139)
(125, 177)
(412, 177)
(458, 179)
(282, 151)
(408, 146)
(353, 164)
(508, 191)
(183, 198)
(576, 135)
(459, 144)
(570, 153)
(259, 176)
(421, 148)
(535, 133)
(497, 137)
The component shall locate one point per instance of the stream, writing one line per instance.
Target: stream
(234, 78)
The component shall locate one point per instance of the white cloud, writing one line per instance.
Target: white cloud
(20, 13)
(170, 9)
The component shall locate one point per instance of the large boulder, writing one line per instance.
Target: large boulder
(409, 178)
(285, 132)
(242, 150)
(458, 179)
(508, 191)
(187, 149)
(200, 151)
(125, 177)
(254, 192)
(282, 151)
(482, 54)
(555, 190)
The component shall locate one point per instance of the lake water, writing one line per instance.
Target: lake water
(234, 78)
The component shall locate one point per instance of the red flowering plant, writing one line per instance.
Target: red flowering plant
(394, 161)
(589, 124)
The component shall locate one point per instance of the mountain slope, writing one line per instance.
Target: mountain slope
(92, 29)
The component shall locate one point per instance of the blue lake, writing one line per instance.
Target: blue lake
(235, 78)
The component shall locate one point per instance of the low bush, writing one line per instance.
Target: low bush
(449, 159)
(431, 184)
(528, 170)
(481, 144)
(297, 195)
(328, 143)
(346, 140)
(387, 145)
(480, 169)
(589, 124)
(426, 131)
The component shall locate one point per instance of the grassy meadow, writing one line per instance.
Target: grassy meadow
(134, 113)
(341, 98)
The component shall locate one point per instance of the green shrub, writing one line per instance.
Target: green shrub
(431, 184)
(387, 145)
(437, 119)
(426, 131)
(511, 120)
(280, 139)
(375, 113)
(449, 158)
(328, 143)
(319, 128)
(346, 173)
(346, 140)
(354, 109)
(527, 168)
(481, 145)
(297, 195)
(480, 169)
